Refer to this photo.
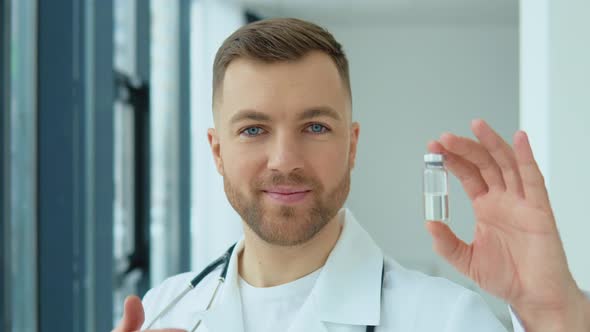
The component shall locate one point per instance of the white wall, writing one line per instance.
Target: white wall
(411, 83)
(164, 227)
(570, 130)
(556, 107)
(214, 223)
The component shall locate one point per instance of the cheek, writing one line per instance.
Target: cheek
(330, 163)
(240, 165)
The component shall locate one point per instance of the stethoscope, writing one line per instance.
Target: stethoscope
(224, 259)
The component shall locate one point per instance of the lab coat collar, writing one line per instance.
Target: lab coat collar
(348, 289)
(226, 314)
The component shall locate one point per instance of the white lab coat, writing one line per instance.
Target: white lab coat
(346, 297)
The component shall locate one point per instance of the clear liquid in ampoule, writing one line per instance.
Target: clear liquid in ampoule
(436, 206)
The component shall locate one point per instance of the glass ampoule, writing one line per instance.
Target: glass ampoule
(436, 190)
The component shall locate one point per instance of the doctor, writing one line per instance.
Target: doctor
(285, 143)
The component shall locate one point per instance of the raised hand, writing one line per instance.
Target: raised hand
(516, 253)
(133, 317)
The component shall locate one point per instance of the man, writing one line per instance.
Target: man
(285, 143)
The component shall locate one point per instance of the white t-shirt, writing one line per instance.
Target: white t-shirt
(273, 308)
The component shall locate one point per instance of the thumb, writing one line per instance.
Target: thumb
(449, 246)
(133, 315)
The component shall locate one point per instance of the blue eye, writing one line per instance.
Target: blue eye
(317, 128)
(252, 131)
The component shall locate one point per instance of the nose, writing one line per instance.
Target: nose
(284, 154)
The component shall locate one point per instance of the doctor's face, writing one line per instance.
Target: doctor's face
(285, 145)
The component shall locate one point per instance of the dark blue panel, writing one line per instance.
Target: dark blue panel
(75, 165)
(62, 169)
(103, 166)
(185, 137)
(61, 185)
(3, 142)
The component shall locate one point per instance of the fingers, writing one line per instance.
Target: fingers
(494, 159)
(133, 315)
(467, 173)
(532, 179)
(502, 154)
(492, 163)
(476, 154)
(451, 248)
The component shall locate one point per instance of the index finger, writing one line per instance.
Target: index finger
(476, 154)
(133, 315)
(532, 178)
(501, 152)
(467, 173)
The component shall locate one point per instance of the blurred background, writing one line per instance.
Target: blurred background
(107, 186)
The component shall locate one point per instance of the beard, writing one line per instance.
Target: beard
(285, 225)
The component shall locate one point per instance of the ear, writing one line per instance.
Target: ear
(215, 149)
(354, 138)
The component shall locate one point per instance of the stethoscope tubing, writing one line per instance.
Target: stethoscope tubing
(224, 259)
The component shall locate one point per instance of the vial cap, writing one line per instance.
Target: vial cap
(433, 158)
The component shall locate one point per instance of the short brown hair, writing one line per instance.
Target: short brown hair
(278, 39)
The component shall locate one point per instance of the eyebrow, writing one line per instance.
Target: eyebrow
(320, 111)
(310, 113)
(249, 115)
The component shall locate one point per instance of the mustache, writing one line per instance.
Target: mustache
(291, 179)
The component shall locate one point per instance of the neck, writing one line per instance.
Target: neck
(265, 265)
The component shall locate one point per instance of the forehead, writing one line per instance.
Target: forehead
(283, 88)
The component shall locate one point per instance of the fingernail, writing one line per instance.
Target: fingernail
(477, 122)
(524, 135)
(445, 137)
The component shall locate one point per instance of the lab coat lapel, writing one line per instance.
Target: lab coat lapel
(307, 318)
(348, 290)
(226, 313)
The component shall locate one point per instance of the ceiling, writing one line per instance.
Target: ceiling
(379, 11)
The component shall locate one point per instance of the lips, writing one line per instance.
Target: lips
(287, 195)
(286, 190)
